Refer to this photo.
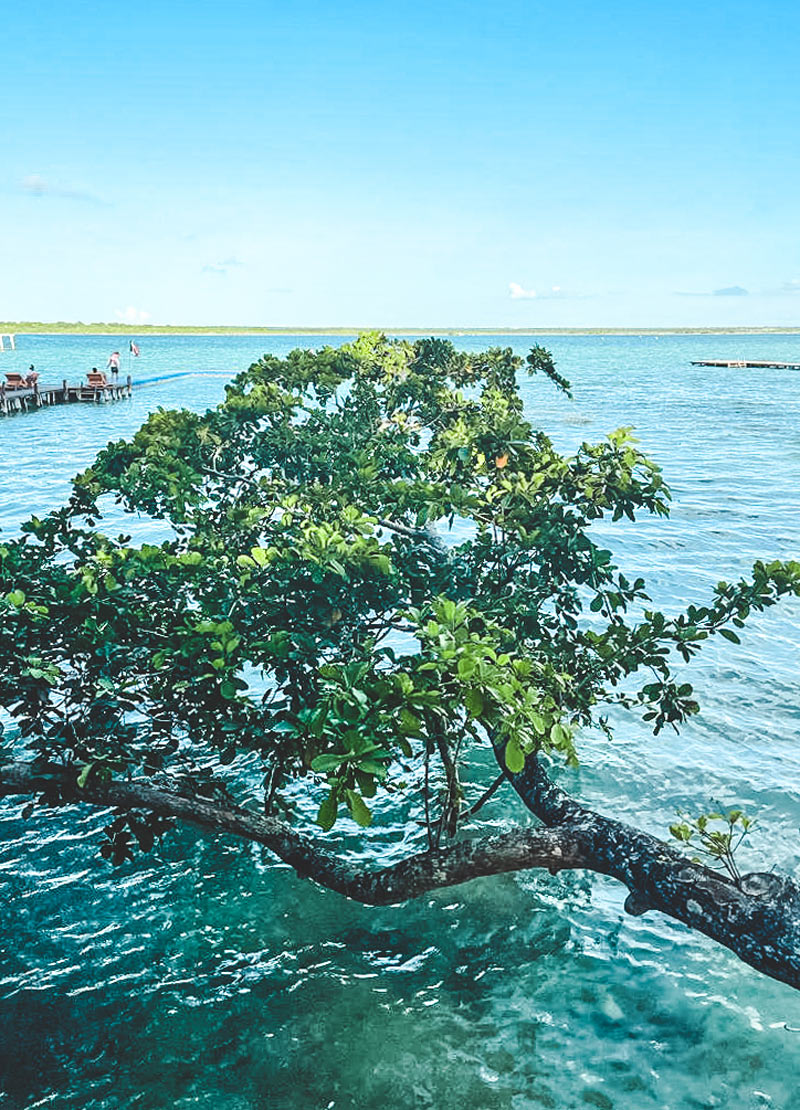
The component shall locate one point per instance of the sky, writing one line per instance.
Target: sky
(427, 164)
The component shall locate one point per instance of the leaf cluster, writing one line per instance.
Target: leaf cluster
(377, 566)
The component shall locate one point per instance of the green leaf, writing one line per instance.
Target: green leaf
(473, 699)
(559, 736)
(328, 762)
(466, 667)
(538, 722)
(729, 635)
(371, 767)
(515, 758)
(410, 724)
(366, 783)
(359, 810)
(326, 815)
(83, 777)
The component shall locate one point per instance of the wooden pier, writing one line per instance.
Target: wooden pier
(742, 363)
(14, 400)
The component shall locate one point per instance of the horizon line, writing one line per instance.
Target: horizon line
(62, 327)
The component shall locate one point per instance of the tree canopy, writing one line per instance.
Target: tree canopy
(379, 598)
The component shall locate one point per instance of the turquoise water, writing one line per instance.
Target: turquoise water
(211, 976)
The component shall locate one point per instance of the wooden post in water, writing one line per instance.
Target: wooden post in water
(35, 395)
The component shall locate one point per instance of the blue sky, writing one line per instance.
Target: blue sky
(420, 164)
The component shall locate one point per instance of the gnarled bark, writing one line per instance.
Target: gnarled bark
(411, 877)
(759, 921)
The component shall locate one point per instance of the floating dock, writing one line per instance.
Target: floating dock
(742, 363)
(14, 400)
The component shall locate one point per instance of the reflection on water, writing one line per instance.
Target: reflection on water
(210, 976)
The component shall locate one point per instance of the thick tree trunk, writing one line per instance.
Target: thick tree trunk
(759, 921)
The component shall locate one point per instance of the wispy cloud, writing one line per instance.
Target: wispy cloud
(726, 291)
(37, 186)
(131, 315)
(784, 289)
(222, 266)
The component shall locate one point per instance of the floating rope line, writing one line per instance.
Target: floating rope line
(182, 374)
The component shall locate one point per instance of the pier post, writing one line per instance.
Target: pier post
(38, 396)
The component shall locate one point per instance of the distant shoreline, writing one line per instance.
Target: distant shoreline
(35, 328)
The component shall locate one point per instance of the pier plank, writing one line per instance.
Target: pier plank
(744, 363)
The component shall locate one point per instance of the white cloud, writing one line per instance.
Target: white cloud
(555, 292)
(131, 315)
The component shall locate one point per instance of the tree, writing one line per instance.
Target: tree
(380, 595)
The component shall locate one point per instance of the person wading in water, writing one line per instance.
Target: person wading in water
(113, 365)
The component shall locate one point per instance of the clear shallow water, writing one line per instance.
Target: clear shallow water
(213, 977)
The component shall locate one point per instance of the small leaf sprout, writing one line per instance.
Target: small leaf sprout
(716, 835)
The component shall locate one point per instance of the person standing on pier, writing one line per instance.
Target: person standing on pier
(113, 365)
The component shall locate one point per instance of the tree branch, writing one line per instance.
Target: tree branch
(759, 921)
(411, 877)
(486, 796)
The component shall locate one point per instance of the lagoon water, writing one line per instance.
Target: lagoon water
(210, 976)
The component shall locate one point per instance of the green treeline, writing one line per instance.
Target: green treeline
(63, 327)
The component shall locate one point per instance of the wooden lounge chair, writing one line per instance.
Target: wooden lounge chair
(97, 379)
(15, 380)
